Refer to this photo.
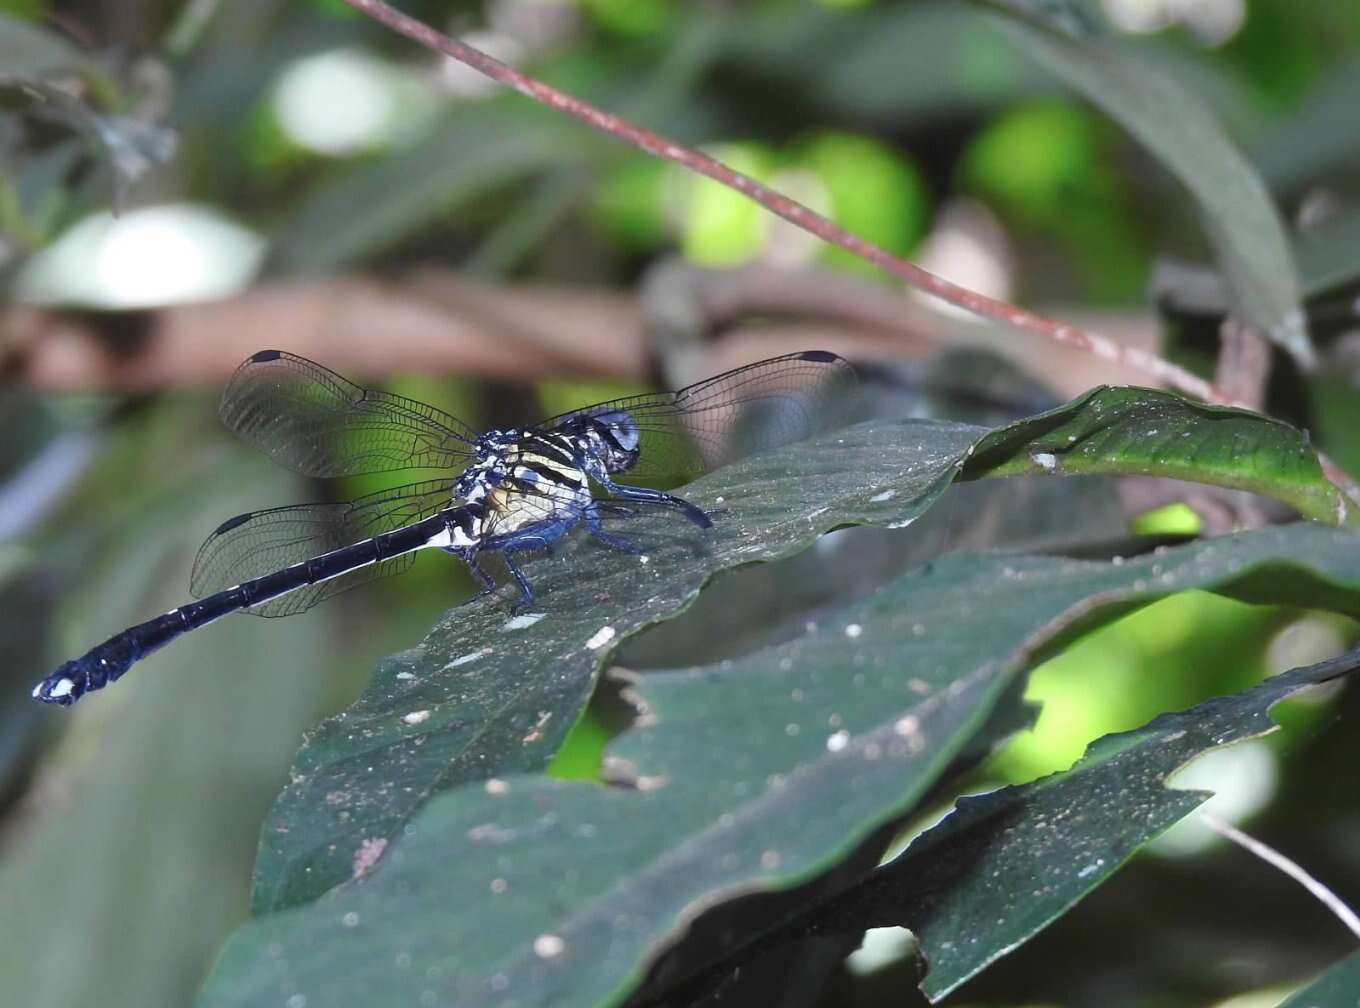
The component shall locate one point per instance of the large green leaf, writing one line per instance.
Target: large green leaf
(530, 891)
(1239, 217)
(1002, 867)
(486, 694)
(1339, 986)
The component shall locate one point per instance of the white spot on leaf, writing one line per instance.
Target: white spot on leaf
(472, 656)
(548, 946)
(600, 638)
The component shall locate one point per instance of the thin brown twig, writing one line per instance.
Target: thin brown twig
(1243, 368)
(1164, 371)
(1271, 856)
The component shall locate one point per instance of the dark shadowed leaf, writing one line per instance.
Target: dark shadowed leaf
(486, 694)
(1002, 867)
(1339, 986)
(529, 891)
(1239, 217)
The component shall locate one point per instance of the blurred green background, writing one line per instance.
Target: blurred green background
(253, 142)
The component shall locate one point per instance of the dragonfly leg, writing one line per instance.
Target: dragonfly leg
(538, 536)
(593, 526)
(687, 509)
(527, 597)
(479, 572)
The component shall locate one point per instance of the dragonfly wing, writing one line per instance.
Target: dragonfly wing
(751, 409)
(315, 422)
(262, 542)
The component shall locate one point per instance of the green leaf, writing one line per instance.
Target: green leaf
(30, 51)
(1129, 430)
(377, 204)
(1329, 255)
(1239, 217)
(486, 695)
(1002, 867)
(1340, 985)
(529, 891)
(128, 148)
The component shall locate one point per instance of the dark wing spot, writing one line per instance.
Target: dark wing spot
(261, 356)
(232, 523)
(819, 356)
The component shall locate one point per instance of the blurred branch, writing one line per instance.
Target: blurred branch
(433, 322)
(979, 304)
(1243, 364)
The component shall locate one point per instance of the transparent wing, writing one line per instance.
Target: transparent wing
(317, 423)
(262, 542)
(751, 409)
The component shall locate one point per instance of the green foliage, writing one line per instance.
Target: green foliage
(1239, 218)
(733, 756)
(431, 721)
(674, 781)
(1009, 863)
(1129, 430)
(873, 193)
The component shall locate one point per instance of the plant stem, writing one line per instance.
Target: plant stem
(1164, 371)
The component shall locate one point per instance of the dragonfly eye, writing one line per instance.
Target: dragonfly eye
(619, 438)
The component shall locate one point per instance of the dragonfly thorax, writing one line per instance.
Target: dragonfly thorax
(610, 435)
(544, 467)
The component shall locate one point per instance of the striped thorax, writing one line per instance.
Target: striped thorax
(522, 477)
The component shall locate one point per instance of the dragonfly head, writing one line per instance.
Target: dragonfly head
(615, 438)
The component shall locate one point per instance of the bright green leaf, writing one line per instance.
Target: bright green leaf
(1130, 430)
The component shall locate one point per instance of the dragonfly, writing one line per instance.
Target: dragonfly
(508, 491)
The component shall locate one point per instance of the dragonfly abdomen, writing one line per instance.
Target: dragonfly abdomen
(108, 662)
